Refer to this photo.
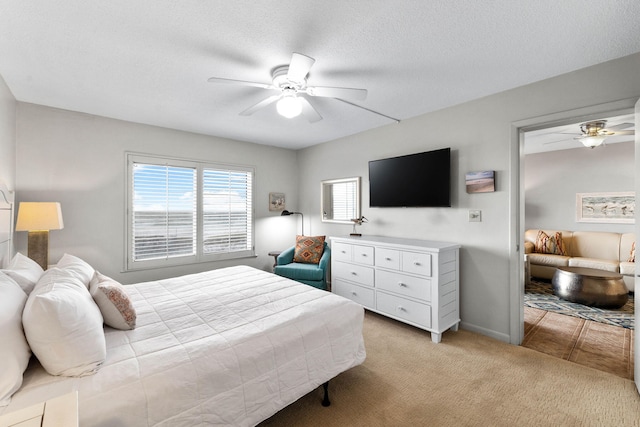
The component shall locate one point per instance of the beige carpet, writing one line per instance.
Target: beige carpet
(596, 345)
(466, 380)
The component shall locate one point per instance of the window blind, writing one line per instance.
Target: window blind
(344, 200)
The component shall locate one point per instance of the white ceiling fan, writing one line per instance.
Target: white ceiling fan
(593, 133)
(291, 82)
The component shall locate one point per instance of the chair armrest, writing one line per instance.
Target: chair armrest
(326, 258)
(286, 257)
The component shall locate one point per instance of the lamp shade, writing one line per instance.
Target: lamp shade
(592, 141)
(37, 216)
(289, 106)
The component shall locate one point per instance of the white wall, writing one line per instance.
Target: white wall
(480, 135)
(7, 136)
(79, 161)
(552, 179)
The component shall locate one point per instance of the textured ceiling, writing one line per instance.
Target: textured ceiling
(148, 61)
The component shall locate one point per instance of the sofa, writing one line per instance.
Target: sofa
(607, 251)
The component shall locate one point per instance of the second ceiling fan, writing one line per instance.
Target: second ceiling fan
(291, 83)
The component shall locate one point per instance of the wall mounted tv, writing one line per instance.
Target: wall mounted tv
(414, 180)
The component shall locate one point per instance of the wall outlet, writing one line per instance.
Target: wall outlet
(475, 215)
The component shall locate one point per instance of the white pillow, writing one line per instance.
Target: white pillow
(63, 325)
(14, 350)
(113, 301)
(25, 271)
(78, 267)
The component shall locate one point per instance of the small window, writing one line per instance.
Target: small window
(186, 211)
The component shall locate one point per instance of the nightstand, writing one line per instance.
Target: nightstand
(59, 411)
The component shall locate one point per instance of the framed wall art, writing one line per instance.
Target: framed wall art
(614, 208)
(480, 182)
(276, 202)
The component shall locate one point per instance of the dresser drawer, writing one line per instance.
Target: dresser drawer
(354, 273)
(404, 309)
(361, 295)
(416, 263)
(341, 251)
(414, 287)
(363, 255)
(388, 258)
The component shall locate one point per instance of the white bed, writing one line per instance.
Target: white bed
(225, 347)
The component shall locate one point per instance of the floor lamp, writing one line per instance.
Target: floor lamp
(38, 218)
(287, 213)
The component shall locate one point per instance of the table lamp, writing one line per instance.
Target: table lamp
(38, 218)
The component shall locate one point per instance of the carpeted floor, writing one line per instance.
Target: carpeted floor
(466, 380)
(540, 295)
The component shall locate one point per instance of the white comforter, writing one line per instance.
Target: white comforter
(225, 347)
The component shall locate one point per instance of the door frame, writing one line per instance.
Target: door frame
(517, 198)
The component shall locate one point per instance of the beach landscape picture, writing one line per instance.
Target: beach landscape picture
(480, 182)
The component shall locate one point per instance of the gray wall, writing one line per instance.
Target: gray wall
(79, 160)
(7, 136)
(481, 136)
(552, 179)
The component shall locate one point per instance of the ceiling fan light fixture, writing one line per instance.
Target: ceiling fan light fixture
(289, 106)
(592, 141)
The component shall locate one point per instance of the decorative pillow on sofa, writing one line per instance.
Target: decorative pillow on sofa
(546, 244)
(77, 267)
(63, 325)
(14, 350)
(25, 271)
(309, 249)
(632, 255)
(113, 301)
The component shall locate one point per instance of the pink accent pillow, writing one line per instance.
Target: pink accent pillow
(113, 301)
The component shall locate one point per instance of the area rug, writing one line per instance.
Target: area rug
(540, 295)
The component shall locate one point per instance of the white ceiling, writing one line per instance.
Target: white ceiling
(148, 61)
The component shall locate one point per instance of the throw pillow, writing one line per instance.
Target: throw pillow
(546, 244)
(14, 350)
(77, 267)
(113, 301)
(632, 255)
(63, 325)
(25, 271)
(309, 249)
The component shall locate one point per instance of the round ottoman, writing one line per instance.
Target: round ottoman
(589, 286)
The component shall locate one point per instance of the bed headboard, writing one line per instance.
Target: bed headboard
(6, 225)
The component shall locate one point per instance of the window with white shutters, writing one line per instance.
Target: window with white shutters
(183, 212)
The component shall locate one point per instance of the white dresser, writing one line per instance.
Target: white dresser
(413, 281)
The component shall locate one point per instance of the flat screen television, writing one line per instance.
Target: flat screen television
(414, 180)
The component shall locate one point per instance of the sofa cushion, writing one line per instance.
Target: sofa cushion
(549, 260)
(627, 268)
(599, 264)
(596, 244)
(546, 244)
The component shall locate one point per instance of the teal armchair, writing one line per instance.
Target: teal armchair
(310, 274)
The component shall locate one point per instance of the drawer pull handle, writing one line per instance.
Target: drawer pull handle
(344, 252)
(401, 308)
(353, 273)
(416, 263)
(388, 259)
(363, 254)
(402, 285)
(354, 294)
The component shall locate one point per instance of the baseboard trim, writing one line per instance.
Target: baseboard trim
(484, 331)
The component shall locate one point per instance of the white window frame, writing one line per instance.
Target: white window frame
(130, 264)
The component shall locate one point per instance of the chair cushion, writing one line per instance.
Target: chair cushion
(300, 271)
(308, 249)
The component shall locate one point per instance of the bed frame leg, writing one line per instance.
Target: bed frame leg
(325, 399)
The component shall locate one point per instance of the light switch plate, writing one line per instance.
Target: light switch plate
(475, 215)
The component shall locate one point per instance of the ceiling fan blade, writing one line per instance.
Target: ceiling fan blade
(239, 82)
(624, 132)
(270, 100)
(620, 126)
(299, 67)
(309, 112)
(338, 92)
(559, 140)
